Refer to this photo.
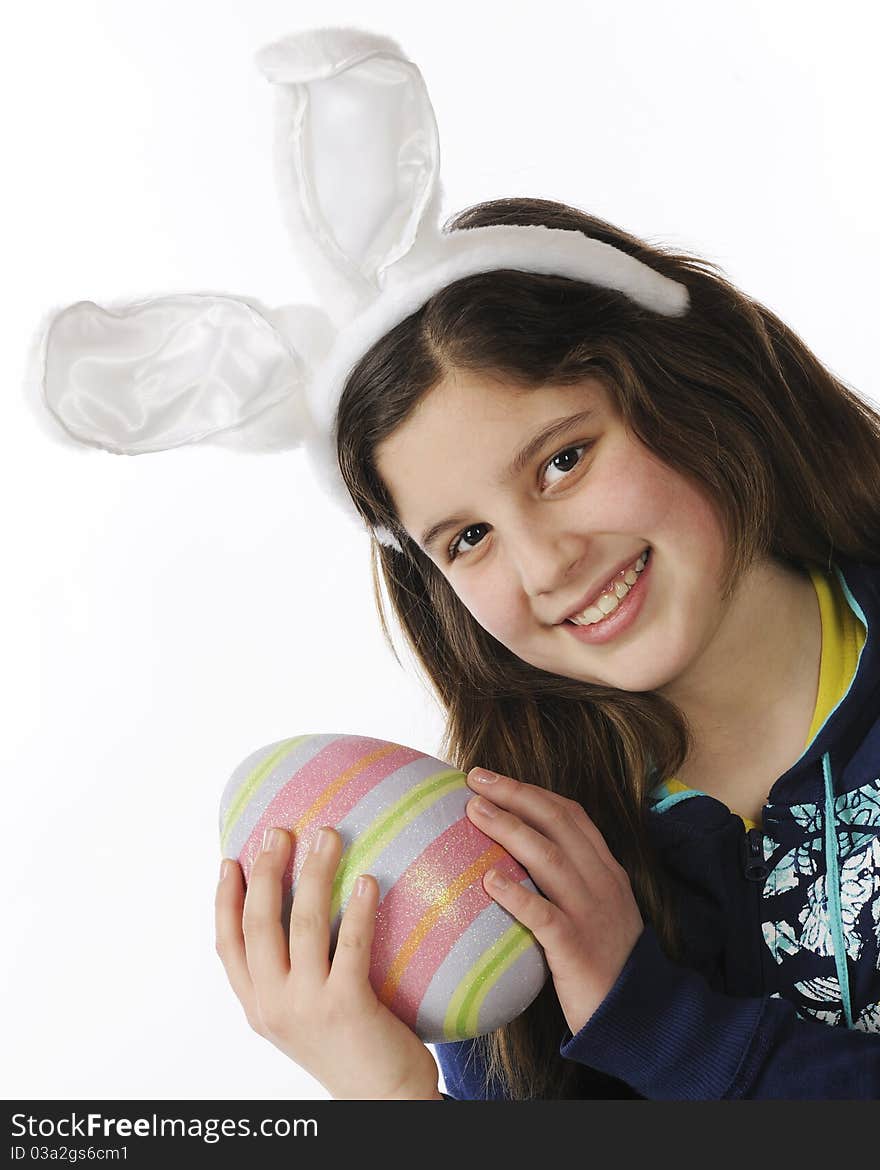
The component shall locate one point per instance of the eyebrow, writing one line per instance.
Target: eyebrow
(553, 430)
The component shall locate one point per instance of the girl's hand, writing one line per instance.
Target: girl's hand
(589, 921)
(325, 1017)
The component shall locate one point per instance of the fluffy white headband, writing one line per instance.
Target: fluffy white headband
(357, 164)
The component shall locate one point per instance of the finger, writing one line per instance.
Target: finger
(310, 913)
(536, 913)
(354, 945)
(264, 939)
(228, 935)
(561, 871)
(557, 816)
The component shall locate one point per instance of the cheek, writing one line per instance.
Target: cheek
(495, 606)
(673, 506)
(630, 491)
(643, 492)
(695, 521)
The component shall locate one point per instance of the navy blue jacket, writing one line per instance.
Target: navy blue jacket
(778, 995)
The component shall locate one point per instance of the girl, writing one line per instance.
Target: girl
(640, 564)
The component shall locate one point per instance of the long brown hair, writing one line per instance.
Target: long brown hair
(726, 395)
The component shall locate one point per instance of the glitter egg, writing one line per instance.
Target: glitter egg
(446, 958)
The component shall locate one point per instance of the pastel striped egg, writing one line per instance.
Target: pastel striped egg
(446, 958)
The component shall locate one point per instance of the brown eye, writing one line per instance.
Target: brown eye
(565, 457)
(453, 550)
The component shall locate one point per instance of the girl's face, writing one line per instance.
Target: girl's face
(525, 546)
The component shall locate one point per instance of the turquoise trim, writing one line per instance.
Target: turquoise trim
(675, 798)
(832, 866)
(857, 610)
(832, 890)
(853, 604)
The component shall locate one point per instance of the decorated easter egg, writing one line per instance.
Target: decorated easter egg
(446, 958)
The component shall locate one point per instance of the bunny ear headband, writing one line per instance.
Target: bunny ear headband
(357, 164)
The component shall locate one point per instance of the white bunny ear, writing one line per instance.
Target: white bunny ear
(357, 159)
(150, 375)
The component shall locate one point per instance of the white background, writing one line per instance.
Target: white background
(166, 615)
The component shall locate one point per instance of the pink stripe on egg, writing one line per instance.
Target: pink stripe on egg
(422, 916)
(327, 788)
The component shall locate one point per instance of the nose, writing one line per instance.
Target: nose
(545, 559)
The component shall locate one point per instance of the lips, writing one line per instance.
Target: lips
(597, 591)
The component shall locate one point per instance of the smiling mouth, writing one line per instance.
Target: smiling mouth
(608, 601)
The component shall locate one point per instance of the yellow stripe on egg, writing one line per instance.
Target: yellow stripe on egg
(359, 856)
(426, 924)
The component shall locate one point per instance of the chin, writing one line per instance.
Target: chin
(646, 672)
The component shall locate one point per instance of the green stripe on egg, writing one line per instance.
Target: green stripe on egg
(252, 782)
(462, 1017)
(359, 857)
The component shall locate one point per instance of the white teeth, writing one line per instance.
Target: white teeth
(608, 602)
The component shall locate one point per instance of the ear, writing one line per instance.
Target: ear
(357, 159)
(154, 374)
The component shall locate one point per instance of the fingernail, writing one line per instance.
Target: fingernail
(225, 867)
(484, 807)
(494, 878)
(320, 841)
(484, 777)
(271, 838)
